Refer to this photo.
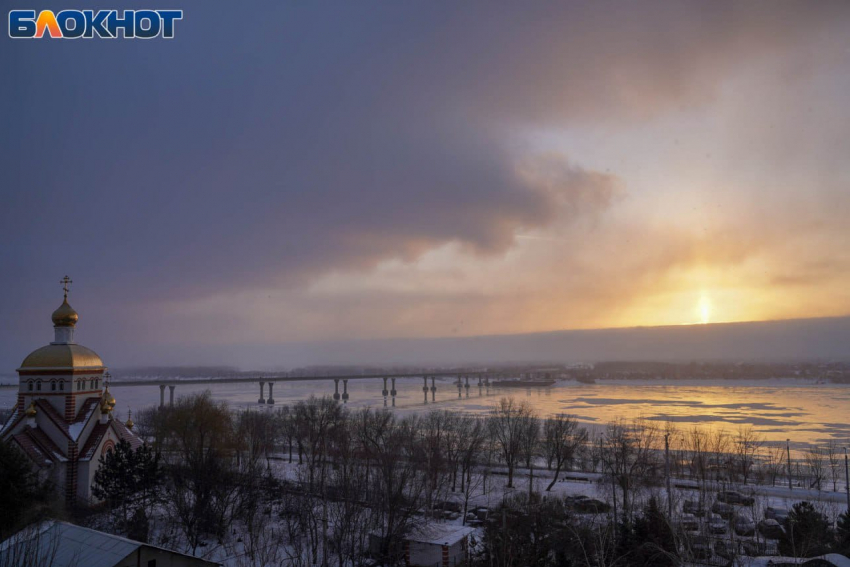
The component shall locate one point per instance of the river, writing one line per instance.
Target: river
(802, 410)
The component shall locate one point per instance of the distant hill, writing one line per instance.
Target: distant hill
(826, 339)
(794, 339)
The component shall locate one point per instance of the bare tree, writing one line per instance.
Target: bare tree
(506, 423)
(287, 426)
(720, 458)
(315, 421)
(628, 456)
(198, 446)
(562, 438)
(833, 457)
(530, 445)
(435, 432)
(747, 444)
(774, 462)
(398, 486)
(697, 447)
(816, 467)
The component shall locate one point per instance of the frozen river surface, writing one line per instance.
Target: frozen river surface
(804, 411)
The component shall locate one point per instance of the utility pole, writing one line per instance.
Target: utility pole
(788, 451)
(847, 479)
(504, 533)
(667, 474)
(324, 530)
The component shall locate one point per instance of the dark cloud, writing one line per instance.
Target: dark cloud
(263, 148)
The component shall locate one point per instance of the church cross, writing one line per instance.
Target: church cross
(66, 283)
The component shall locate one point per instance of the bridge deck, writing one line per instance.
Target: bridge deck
(242, 379)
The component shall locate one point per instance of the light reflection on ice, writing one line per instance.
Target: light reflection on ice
(804, 411)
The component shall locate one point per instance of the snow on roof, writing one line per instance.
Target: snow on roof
(16, 413)
(32, 450)
(832, 558)
(44, 406)
(83, 417)
(439, 534)
(67, 544)
(95, 437)
(38, 446)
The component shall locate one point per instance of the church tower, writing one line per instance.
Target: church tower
(63, 416)
(63, 373)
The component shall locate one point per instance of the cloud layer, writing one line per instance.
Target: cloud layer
(237, 183)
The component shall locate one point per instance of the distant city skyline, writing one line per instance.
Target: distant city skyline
(373, 171)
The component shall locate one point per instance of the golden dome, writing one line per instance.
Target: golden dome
(129, 422)
(107, 402)
(65, 316)
(62, 356)
(31, 411)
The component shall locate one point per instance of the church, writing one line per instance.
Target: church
(63, 416)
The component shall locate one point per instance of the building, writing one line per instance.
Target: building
(828, 560)
(442, 545)
(63, 416)
(59, 544)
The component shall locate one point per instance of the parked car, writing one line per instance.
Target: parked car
(744, 526)
(448, 505)
(724, 549)
(716, 524)
(694, 507)
(778, 514)
(701, 548)
(771, 529)
(591, 506)
(724, 510)
(753, 548)
(689, 522)
(735, 497)
(575, 499)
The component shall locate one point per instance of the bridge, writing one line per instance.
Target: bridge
(484, 381)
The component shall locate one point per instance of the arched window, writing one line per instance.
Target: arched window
(53, 385)
(29, 385)
(107, 447)
(38, 385)
(62, 385)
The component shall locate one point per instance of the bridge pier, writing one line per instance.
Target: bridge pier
(385, 392)
(161, 395)
(393, 391)
(270, 401)
(345, 390)
(467, 386)
(433, 390)
(425, 388)
(336, 389)
(171, 395)
(459, 388)
(262, 399)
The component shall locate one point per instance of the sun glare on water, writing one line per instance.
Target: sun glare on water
(704, 309)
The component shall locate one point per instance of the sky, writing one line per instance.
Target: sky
(322, 172)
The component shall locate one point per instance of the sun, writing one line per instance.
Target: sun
(704, 309)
